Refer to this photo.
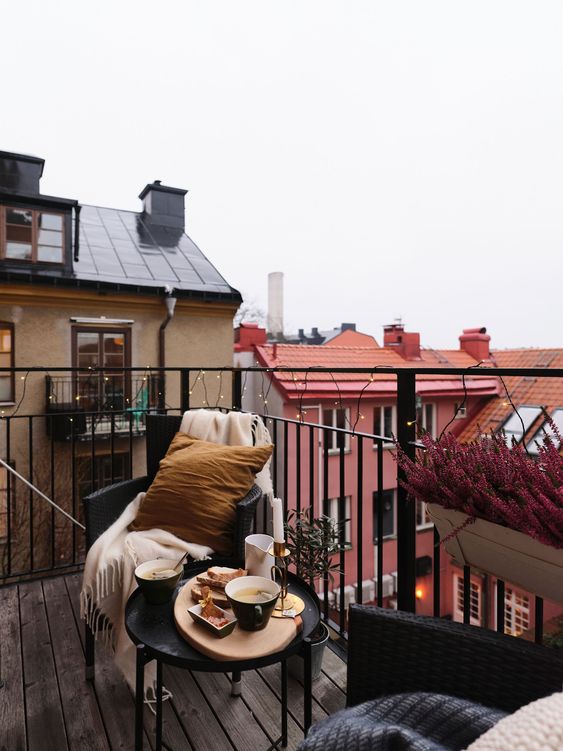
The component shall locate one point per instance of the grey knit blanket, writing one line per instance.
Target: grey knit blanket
(403, 722)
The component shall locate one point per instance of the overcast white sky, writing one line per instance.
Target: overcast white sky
(391, 158)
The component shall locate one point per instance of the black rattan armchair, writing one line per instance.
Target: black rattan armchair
(416, 682)
(104, 506)
(393, 652)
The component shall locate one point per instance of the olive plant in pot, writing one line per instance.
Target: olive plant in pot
(313, 542)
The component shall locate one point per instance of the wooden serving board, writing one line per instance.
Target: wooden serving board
(240, 644)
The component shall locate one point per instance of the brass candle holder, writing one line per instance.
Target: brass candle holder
(281, 554)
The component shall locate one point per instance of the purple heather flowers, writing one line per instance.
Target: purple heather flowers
(491, 480)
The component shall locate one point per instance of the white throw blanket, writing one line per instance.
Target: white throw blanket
(109, 581)
(111, 561)
(536, 727)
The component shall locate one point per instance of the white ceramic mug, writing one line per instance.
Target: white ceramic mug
(257, 560)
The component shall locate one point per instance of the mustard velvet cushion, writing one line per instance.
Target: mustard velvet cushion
(196, 490)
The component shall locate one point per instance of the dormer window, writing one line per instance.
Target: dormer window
(31, 235)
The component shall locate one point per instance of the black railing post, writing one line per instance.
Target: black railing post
(161, 398)
(406, 510)
(184, 389)
(237, 390)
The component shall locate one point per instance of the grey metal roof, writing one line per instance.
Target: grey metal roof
(126, 248)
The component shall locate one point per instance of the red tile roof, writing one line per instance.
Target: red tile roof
(541, 392)
(319, 385)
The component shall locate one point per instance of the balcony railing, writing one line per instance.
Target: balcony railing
(100, 402)
(339, 471)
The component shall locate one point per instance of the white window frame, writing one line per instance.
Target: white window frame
(380, 429)
(423, 414)
(476, 600)
(333, 513)
(334, 449)
(516, 608)
(426, 521)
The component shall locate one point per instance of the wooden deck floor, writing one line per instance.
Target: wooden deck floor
(46, 705)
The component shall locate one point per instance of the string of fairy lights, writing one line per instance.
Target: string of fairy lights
(199, 391)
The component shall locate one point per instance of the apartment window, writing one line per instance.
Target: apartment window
(34, 236)
(337, 418)
(516, 612)
(426, 418)
(88, 481)
(101, 348)
(389, 514)
(423, 520)
(385, 422)
(333, 509)
(6, 361)
(3, 503)
(474, 601)
(525, 418)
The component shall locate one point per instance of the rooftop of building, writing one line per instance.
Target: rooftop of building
(114, 250)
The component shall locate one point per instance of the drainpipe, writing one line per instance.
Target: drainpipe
(170, 305)
(77, 231)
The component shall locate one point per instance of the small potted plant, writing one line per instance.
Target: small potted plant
(495, 506)
(313, 542)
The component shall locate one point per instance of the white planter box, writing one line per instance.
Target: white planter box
(505, 553)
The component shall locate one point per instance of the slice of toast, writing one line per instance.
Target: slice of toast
(218, 576)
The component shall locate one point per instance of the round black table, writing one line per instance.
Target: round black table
(153, 630)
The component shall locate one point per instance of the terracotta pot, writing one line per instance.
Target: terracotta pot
(503, 552)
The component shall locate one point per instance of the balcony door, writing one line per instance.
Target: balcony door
(101, 391)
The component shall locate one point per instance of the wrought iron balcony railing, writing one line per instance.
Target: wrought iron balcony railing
(336, 469)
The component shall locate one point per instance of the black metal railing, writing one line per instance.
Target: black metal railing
(93, 397)
(339, 471)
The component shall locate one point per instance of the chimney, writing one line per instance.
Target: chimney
(275, 303)
(406, 343)
(164, 205)
(20, 173)
(247, 335)
(476, 343)
(348, 327)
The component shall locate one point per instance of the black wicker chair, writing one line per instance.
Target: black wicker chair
(393, 652)
(435, 683)
(104, 506)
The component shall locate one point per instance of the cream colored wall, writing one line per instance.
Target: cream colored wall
(198, 336)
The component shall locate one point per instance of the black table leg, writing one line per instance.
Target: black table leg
(284, 702)
(139, 696)
(158, 705)
(307, 686)
(236, 683)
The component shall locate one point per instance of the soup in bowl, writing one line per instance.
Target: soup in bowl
(158, 578)
(253, 599)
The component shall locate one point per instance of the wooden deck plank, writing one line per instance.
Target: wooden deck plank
(198, 721)
(12, 717)
(202, 714)
(114, 696)
(265, 705)
(271, 675)
(45, 723)
(335, 669)
(85, 729)
(231, 711)
(116, 700)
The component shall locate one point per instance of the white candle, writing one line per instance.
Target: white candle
(277, 509)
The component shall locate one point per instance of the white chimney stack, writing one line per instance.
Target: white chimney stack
(275, 303)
